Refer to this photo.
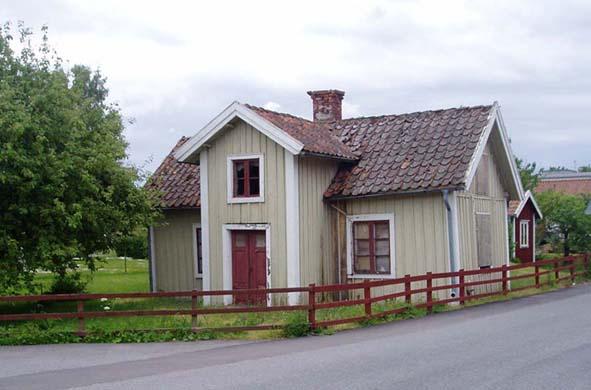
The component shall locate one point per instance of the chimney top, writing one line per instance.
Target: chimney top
(327, 105)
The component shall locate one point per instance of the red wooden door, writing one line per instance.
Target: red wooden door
(249, 265)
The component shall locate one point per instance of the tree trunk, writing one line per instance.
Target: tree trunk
(566, 247)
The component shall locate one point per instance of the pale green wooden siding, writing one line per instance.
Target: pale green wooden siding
(468, 205)
(173, 250)
(317, 243)
(420, 224)
(244, 139)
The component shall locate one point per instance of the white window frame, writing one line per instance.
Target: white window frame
(522, 223)
(230, 178)
(370, 217)
(196, 226)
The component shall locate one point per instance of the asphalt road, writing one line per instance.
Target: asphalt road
(540, 342)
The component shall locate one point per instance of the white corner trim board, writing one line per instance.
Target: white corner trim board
(494, 117)
(237, 110)
(371, 217)
(206, 284)
(227, 255)
(231, 199)
(292, 225)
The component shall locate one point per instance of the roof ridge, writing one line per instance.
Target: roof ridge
(280, 113)
(415, 112)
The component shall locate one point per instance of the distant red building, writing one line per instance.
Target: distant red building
(523, 215)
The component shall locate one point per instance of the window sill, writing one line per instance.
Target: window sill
(254, 199)
(371, 276)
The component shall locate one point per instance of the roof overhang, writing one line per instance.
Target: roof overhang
(193, 146)
(495, 117)
(529, 196)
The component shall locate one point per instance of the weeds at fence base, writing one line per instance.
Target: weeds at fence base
(296, 326)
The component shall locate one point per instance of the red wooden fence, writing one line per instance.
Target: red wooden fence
(497, 275)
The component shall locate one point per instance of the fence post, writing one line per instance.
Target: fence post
(81, 327)
(537, 268)
(556, 272)
(462, 287)
(312, 305)
(429, 292)
(504, 277)
(193, 308)
(367, 298)
(572, 270)
(407, 288)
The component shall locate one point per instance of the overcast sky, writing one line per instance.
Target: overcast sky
(172, 65)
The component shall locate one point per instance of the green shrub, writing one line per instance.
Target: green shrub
(68, 284)
(134, 245)
(296, 325)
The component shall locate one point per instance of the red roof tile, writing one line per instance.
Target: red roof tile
(316, 137)
(421, 151)
(178, 183)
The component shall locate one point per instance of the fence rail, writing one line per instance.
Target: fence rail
(458, 284)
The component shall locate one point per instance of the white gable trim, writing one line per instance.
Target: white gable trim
(528, 195)
(247, 115)
(494, 117)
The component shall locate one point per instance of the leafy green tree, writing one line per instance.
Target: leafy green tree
(585, 168)
(565, 220)
(66, 192)
(528, 174)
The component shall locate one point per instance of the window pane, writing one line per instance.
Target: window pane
(383, 264)
(361, 230)
(382, 247)
(382, 230)
(362, 264)
(253, 167)
(260, 239)
(240, 187)
(362, 247)
(239, 240)
(239, 169)
(254, 186)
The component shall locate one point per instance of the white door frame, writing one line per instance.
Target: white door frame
(227, 255)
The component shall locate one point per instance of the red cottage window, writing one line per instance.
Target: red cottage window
(371, 249)
(199, 253)
(246, 178)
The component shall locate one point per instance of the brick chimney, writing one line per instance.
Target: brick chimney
(327, 105)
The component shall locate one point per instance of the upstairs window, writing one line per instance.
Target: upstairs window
(245, 179)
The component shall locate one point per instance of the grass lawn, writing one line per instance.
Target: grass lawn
(111, 277)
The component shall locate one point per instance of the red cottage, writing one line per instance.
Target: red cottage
(522, 216)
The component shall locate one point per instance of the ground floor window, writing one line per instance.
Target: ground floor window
(198, 250)
(524, 234)
(371, 245)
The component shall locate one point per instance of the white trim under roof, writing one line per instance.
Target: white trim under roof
(528, 195)
(237, 110)
(494, 117)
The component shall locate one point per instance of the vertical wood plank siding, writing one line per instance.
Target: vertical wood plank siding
(317, 241)
(244, 139)
(173, 249)
(420, 232)
(468, 205)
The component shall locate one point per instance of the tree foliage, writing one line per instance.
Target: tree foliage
(65, 189)
(528, 174)
(565, 220)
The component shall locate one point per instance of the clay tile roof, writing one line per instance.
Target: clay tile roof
(317, 138)
(414, 152)
(178, 183)
(569, 182)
